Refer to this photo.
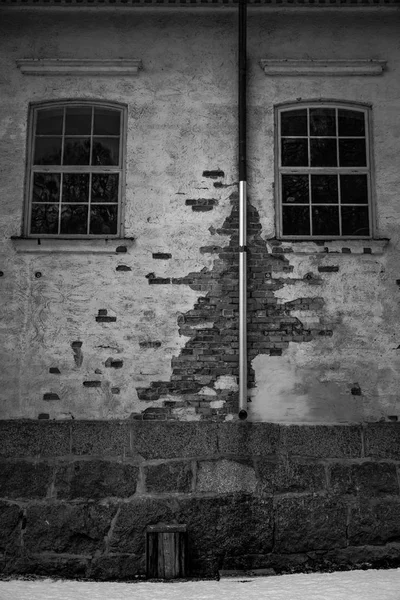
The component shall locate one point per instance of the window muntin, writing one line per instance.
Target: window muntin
(76, 170)
(323, 169)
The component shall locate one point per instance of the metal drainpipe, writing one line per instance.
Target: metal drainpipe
(242, 214)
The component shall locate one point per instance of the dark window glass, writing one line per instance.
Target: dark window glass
(352, 153)
(322, 121)
(106, 122)
(46, 187)
(294, 152)
(74, 219)
(105, 151)
(355, 220)
(75, 187)
(295, 189)
(44, 218)
(323, 152)
(47, 151)
(295, 220)
(325, 220)
(294, 122)
(76, 151)
(354, 189)
(351, 122)
(105, 187)
(103, 219)
(324, 189)
(49, 121)
(78, 120)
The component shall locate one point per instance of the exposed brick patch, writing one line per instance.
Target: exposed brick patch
(159, 280)
(77, 350)
(155, 344)
(162, 255)
(103, 317)
(214, 174)
(123, 268)
(92, 384)
(54, 370)
(50, 396)
(328, 269)
(121, 249)
(114, 363)
(201, 204)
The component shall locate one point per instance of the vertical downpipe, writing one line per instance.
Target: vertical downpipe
(242, 214)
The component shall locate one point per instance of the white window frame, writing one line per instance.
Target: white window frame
(31, 168)
(368, 169)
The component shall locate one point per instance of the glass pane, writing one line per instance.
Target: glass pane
(76, 151)
(47, 151)
(46, 187)
(74, 218)
(352, 153)
(105, 151)
(294, 122)
(351, 122)
(49, 121)
(323, 153)
(106, 121)
(78, 120)
(105, 187)
(354, 189)
(355, 220)
(324, 189)
(103, 219)
(44, 218)
(294, 152)
(295, 220)
(325, 220)
(295, 188)
(75, 187)
(322, 121)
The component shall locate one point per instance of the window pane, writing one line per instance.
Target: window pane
(295, 220)
(44, 218)
(294, 152)
(103, 219)
(105, 151)
(105, 187)
(351, 122)
(78, 120)
(295, 188)
(354, 189)
(323, 153)
(76, 151)
(46, 187)
(355, 220)
(74, 218)
(75, 187)
(49, 121)
(106, 121)
(322, 121)
(324, 189)
(294, 122)
(352, 153)
(325, 220)
(47, 151)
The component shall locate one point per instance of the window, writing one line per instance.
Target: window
(76, 170)
(323, 171)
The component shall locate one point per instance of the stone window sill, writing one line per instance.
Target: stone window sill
(68, 245)
(374, 246)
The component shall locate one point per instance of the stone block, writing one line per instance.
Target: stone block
(100, 438)
(371, 479)
(309, 523)
(169, 477)
(248, 439)
(172, 439)
(225, 477)
(20, 479)
(375, 522)
(63, 528)
(96, 479)
(10, 516)
(43, 565)
(289, 476)
(122, 567)
(23, 438)
(322, 441)
(382, 440)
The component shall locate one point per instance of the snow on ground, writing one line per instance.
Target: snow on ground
(347, 585)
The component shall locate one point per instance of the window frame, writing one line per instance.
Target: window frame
(366, 109)
(34, 107)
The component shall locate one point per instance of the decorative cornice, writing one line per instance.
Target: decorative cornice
(340, 68)
(204, 3)
(76, 66)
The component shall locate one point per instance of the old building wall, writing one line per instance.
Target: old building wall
(322, 319)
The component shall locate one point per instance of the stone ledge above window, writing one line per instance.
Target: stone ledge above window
(341, 68)
(79, 66)
(68, 245)
(374, 246)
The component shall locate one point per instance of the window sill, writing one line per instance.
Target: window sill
(68, 245)
(375, 246)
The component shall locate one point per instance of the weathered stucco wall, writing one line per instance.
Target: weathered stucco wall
(323, 326)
